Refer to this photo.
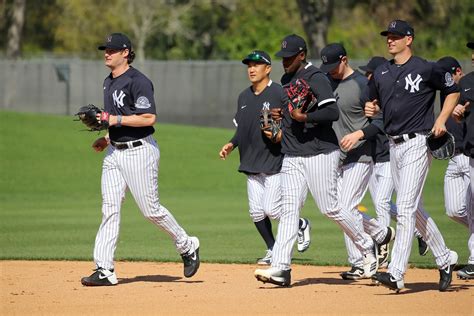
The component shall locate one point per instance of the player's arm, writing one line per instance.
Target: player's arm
(372, 107)
(135, 120)
(326, 110)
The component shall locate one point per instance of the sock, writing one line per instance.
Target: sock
(302, 224)
(264, 227)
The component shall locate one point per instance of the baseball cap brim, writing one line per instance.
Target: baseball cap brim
(365, 68)
(470, 45)
(284, 54)
(328, 67)
(385, 33)
(104, 47)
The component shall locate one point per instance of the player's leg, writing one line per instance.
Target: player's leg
(113, 191)
(140, 166)
(353, 185)
(321, 174)
(456, 181)
(381, 190)
(468, 271)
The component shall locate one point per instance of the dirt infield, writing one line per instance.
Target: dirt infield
(52, 287)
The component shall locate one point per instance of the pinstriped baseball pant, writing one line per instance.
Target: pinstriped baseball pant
(352, 185)
(457, 196)
(409, 163)
(135, 169)
(318, 174)
(471, 214)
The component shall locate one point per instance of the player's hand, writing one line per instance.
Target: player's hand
(439, 129)
(226, 150)
(298, 115)
(372, 108)
(458, 112)
(100, 144)
(348, 141)
(276, 113)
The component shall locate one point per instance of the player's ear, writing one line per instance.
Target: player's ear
(268, 69)
(409, 40)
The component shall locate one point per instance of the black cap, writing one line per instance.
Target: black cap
(291, 45)
(449, 64)
(373, 63)
(116, 41)
(470, 45)
(258, 56)
(331, 56)
(399, 27)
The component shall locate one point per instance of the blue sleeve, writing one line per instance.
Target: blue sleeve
(442, 80)
(142, 94)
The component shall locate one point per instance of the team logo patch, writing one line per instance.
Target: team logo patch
(283, 44)
(448, 80)
(324, 59)
(109, 39)
(142, 103)
(118, 98)
(393, 24)
(412, 84)
(266, 106)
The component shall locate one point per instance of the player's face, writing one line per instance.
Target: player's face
(293, 63)
(338, 72)
(115, 57)
(257, 71)
(369, 74)
(397, 43)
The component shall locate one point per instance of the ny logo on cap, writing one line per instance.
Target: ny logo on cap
(109, 39)
(324, 59)
(283, 44)
(393, 24)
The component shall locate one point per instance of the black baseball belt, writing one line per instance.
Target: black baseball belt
(126, 145)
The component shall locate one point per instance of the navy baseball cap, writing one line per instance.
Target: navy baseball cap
(470, 45)
(116, 41)
(449, 64)
(373, 63)
(331, 56)
(291, 45)
(258, 56)
(399, 27)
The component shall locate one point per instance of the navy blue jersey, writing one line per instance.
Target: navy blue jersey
(257, 153)
(317, 135)
(458, 130)
(128, 94)
(466, 85)
(406, 94)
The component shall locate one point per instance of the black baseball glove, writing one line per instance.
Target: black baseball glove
(271, 126)
(93, 117)
(300, 96)
(441, 147)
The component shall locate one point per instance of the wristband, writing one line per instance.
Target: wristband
(119, 120)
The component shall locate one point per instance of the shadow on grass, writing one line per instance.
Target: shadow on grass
(155, 278)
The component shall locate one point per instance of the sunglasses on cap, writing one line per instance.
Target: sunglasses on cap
(256, 57)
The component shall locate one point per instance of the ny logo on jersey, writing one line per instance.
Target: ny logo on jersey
(118, 98)
(414, 85)
(266, 106)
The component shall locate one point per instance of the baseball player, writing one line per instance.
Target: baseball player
(404, 89)
(132, 162)
(466, 85)
(381, 185)
(260, 157)
(352, 129)
(311, 157)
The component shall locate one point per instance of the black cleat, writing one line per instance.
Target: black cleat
(354, 274)
(466, 273)
(422, 247)
(383, 252)
(101, 277)
(274, 276)
(446, 274)
(191, 258)
(387, 280)
(389, 236)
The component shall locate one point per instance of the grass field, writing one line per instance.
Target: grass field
(50, 198)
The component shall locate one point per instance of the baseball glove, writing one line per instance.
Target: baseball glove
(442, 147)
(271, 127)
(93, 117)
(300, 96)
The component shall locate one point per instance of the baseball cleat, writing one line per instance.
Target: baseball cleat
(101, 277)
(466, 273)
(371, 263)
(387, 280)
(191, 258)
(446, 274)
(355, 273)
(389, 236)
(422, 247)
(267, 260)
(304, 235)
(383, 251)
(274, 276)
